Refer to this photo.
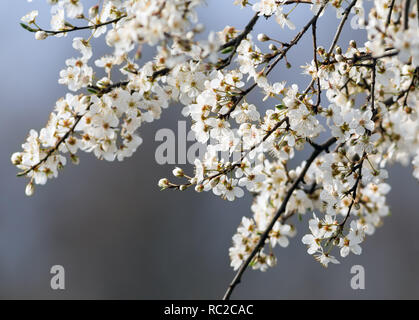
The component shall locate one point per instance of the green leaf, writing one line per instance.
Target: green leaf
(280, 107)
(92, 90)
(227, 50)
(26, 27)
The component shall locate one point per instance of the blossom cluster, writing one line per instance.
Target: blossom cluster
(365, 97)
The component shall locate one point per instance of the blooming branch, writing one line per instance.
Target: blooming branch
(364, 97)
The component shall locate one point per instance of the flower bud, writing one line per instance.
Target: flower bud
(75, 159)
(16, 158)
(30, 189)
(271, 260)
(163, 183)
(199, 188)
(178, 172)
(41, 35)
(93, 11)
(182, 187)
(263, 37)
(293, 174)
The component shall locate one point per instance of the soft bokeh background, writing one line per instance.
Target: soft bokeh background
(119, 237)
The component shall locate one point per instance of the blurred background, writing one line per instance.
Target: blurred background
(119, 237)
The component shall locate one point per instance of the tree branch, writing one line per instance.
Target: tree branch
(92, 27)
(279, 56)
(340, 27)
(281, 210)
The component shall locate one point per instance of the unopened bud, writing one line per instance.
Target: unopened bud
(178, 172)
(30, 189)
(16, 158)
(199, 188)
(41, 35)
(163, 183)
(263, 37)
(75, 159)
(93, 11)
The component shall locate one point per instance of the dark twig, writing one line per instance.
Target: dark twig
(390, 11)
(235, 43)
(406, 14)
(92, 27)
(374, 72)
(319, 93)
(340, 27)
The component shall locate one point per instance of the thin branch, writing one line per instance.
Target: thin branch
(92, 27)
(334, 42)
(404, 93)
(319, 93)
(281, 210)
(279, 56)
(235, 43)
(53, 149)
(354, 191)
(374, 73)
(340, 27)
(406, 14)
(390, 11)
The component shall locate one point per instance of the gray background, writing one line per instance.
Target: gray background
(118, 236)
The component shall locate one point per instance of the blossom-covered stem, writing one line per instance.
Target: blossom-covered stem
(280, 55)
(266, 136)
(77, 119)
(340, 27)
(92, 27)
(412, 83)
(239, 162)
(70, 131)
(234, 43)
(354, 192)
(236, 280)
(404, 93)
